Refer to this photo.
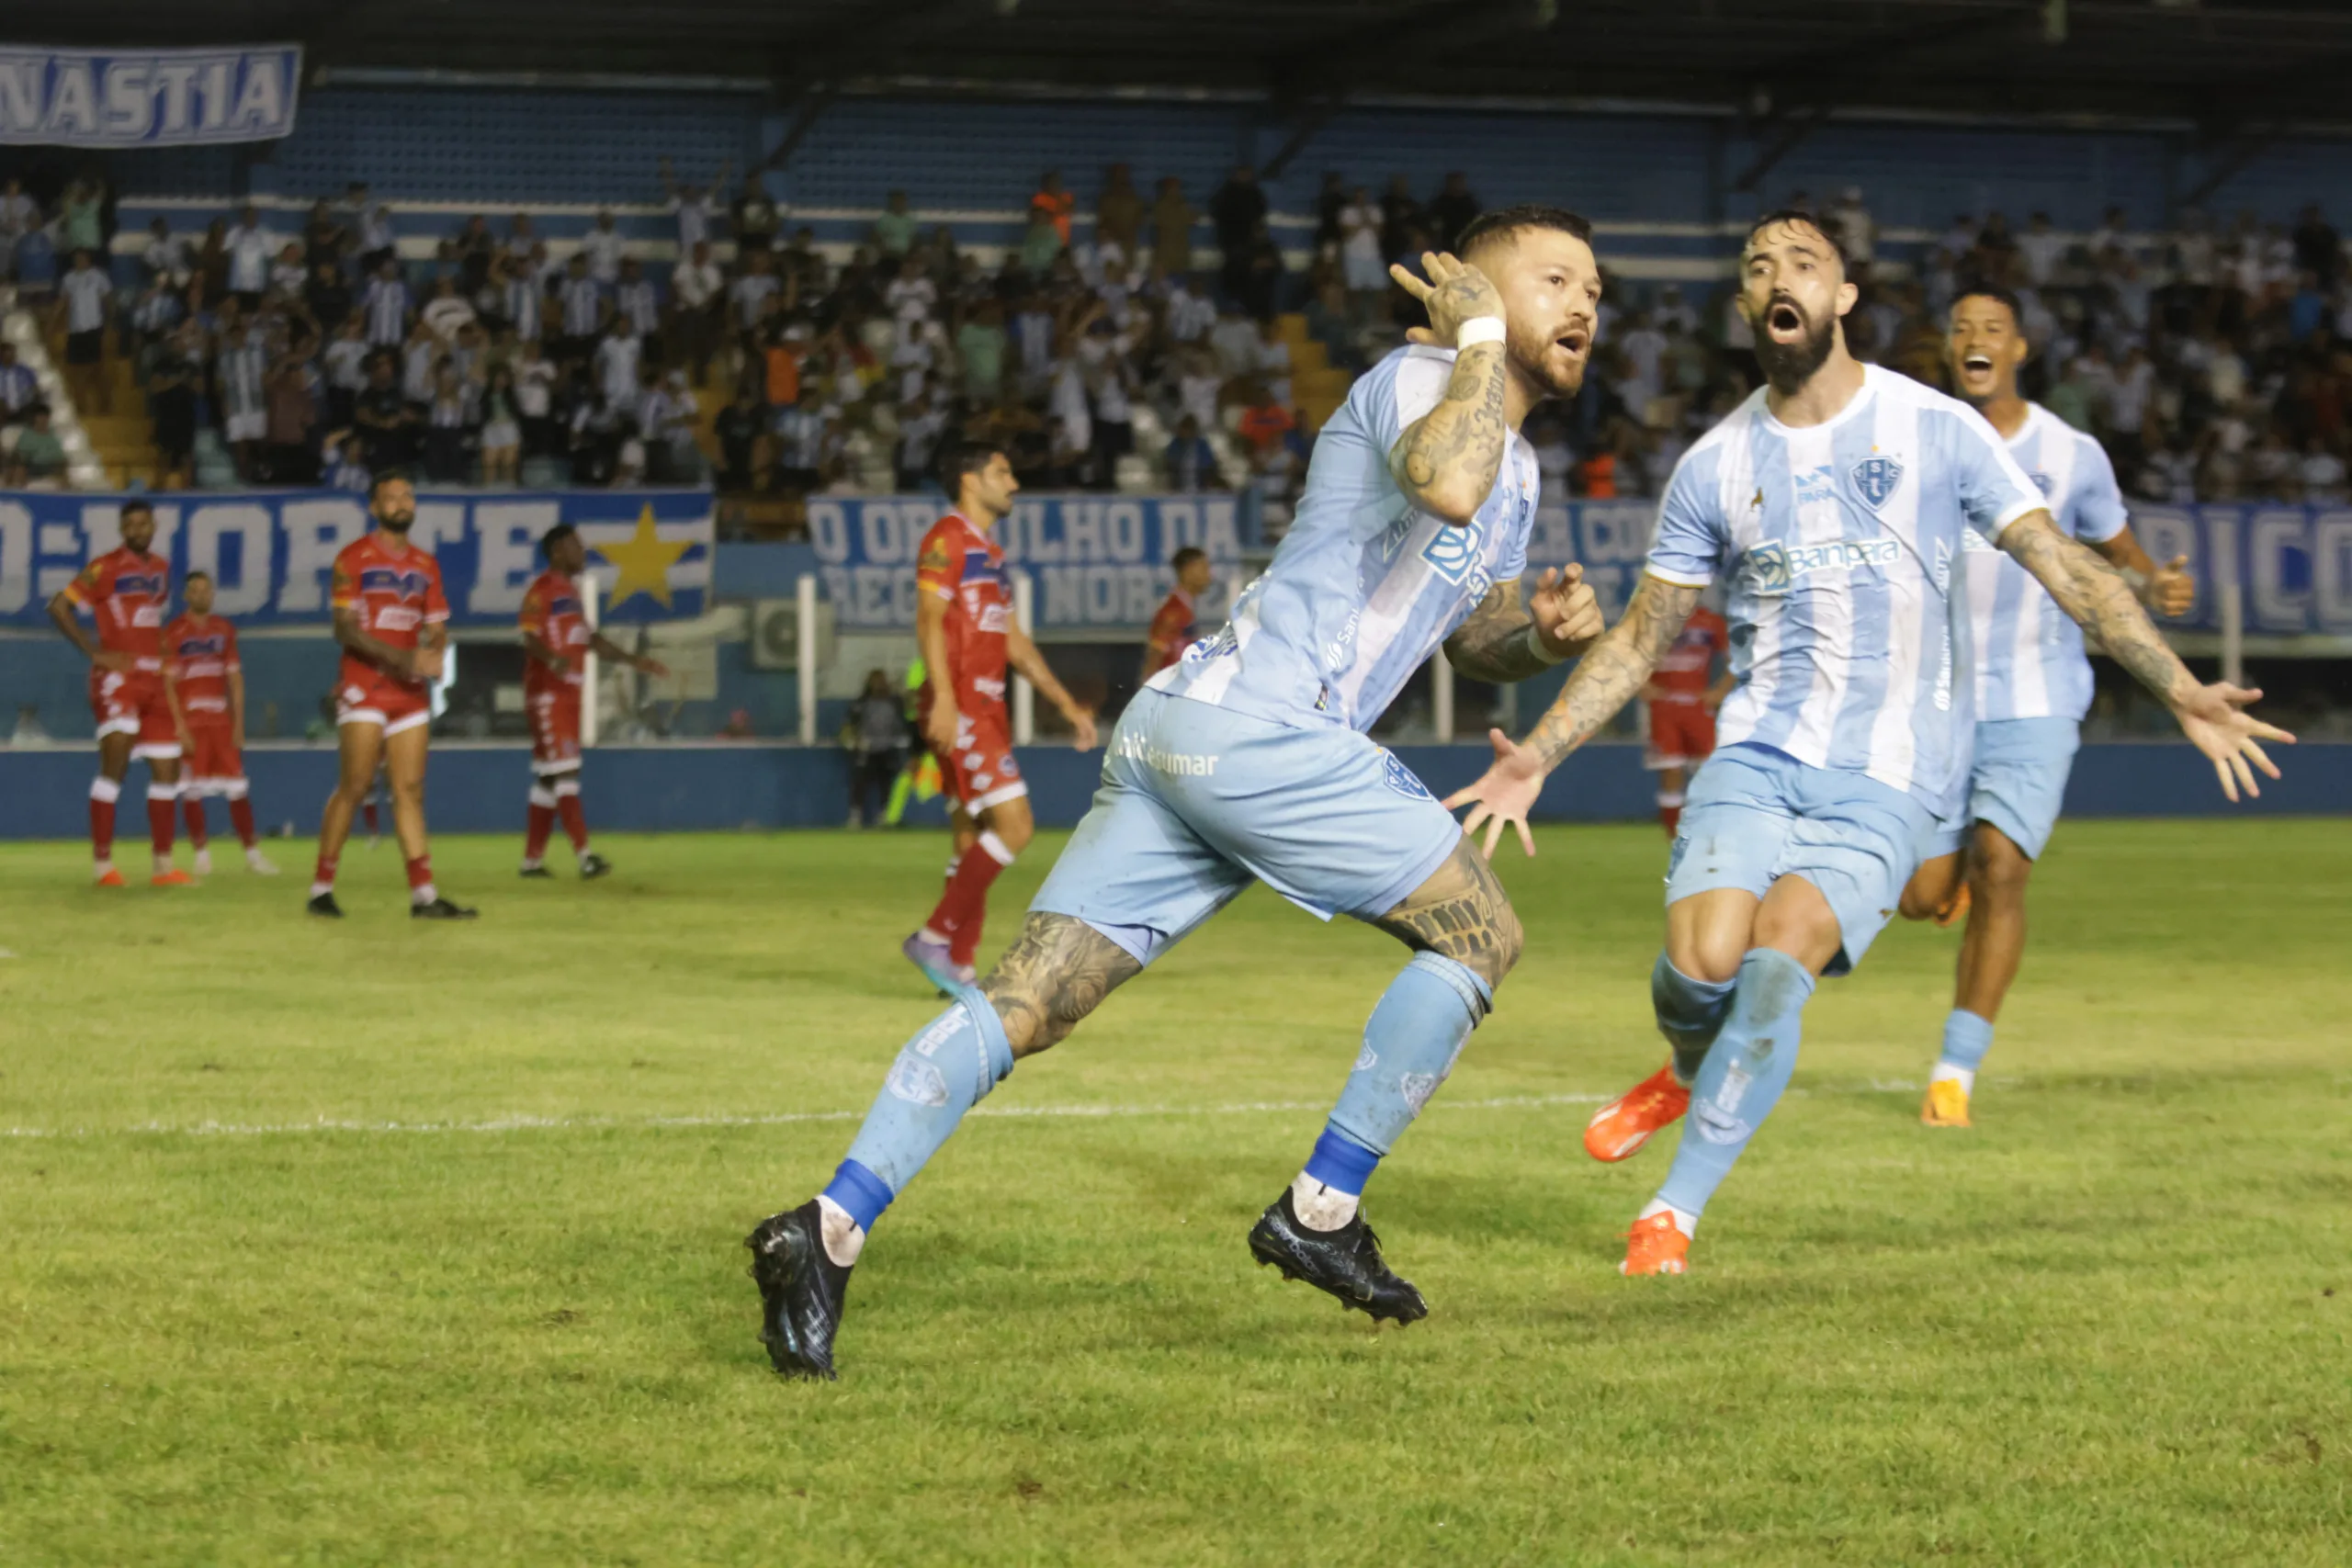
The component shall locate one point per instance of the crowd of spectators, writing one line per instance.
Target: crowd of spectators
(2214, 362)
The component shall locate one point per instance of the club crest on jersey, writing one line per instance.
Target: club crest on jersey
(1402, 779)
(1876, 479)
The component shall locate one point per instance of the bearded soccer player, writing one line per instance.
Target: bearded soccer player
(965, 625)
(393, 623)
(127, 591)
(1247, 760)
(1176, 624)
(1683, 696)
(1833, 501)
(208, 698)
(2033, 685)
(557, 640)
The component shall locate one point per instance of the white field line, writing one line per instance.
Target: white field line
(793, 1118)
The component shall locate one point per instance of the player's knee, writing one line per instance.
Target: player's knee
(1998, 870)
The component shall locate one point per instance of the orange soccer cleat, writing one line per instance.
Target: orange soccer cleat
(1626, 1122)
(175, 878)
(1956, 909)
(1945, 1105)
(112, 877)
(1656, 1246)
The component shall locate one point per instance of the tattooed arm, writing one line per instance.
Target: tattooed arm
(1610, 674)
(1502, 641)
(1446, 461)
(2103, 603)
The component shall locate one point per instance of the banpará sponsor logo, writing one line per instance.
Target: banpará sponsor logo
(1774, 568)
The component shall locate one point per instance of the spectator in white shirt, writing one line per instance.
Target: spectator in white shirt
(166, 254)
(420, 357)
(535, 379)
(1191, 312)
(1270, 363)
(697, 290)
(20, 388)
(750, 292)
(1198, 387)
(2323, 473)
(602, 246)
(346, 360)
(521, 237)
(81, 300)
(250, 248)
(692, 205)
(635, 302)
(1365, 269)
(617, 360)
(386, 305)
(581, 305)
(1857, 231)
(1644, 348)
(2041, 248)
(911, 298)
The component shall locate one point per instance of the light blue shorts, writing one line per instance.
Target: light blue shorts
(1197, 803)
(2017, 783)
(1757, 815)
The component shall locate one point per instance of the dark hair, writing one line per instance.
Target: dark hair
(135, 503)
(1504, 222)
(554, 536)
(190, 576)
(387, 476)
(1795, 215)
(965, 457)
(1187, 556)
(1998, 295)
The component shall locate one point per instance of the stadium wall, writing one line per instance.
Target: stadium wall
(721, 786)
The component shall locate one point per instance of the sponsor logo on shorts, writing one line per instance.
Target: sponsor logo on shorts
(1402, 779)
(1176, 764)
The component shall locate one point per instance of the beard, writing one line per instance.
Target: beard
(1788, 366)
(1532, 357)
(396, 521)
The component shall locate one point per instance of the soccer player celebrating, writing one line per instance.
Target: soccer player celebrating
(2033, 685)
(1833, 501)
(209, 700)
(126, 591)
(393, 623)
(1176, 624)
(1247, 760)
(1683, 700)
(557, 640)
(965, 625)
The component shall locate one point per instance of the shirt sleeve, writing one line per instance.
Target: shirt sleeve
(534, 618)
(1402, 397)
(92, 586)
(1691, 535)
(2098, 507)
(940, 568)
(343, 593)
(1993, 490)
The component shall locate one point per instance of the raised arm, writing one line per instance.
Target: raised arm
(1512, 635)
(1608, 677)
(1446, 461)
(2101, 603)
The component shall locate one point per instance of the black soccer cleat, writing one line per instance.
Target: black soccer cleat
(801, 1291)
(324, 904)
(593, 865)
(441, 910)
(1345, 1263)
(535, 871)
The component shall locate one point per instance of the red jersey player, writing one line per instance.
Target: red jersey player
(965, 623)
(557, 640)
(1177, 625)
(208, 699)
(393, 623)
(1682, 709)
(126, 591)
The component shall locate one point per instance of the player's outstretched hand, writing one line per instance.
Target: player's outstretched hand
(1506, 793)
(1456, 292)
(1084, 723)
(1566, 612)
(2171, 591)
(939, 725)
(2214, 717)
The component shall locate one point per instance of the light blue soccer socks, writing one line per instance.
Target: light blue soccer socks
(1743, 1076)
(1967, 1039)
(1690, 1013)
(942, 1072)
(1409, 1044)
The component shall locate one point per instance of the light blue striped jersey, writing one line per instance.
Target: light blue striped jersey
(2029, 658)
(1840, 542)
(1366, 585)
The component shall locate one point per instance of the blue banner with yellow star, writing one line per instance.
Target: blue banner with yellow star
(268, 551)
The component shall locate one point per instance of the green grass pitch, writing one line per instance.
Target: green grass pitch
(375, 1243)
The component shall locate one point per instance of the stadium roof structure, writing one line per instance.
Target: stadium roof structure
(2225, 68)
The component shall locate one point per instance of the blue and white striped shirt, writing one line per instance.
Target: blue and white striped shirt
(1840, 542)
(1366, 585)
(2029, 658)
(583, 307)
(386, 308)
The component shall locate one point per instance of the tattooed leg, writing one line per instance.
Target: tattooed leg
(1462, 913)
(1057, 972)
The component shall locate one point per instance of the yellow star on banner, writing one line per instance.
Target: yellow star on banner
(644, 562)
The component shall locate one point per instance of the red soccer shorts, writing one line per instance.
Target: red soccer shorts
(213, 755)
(980, 770)
(131, 702)
(1682, 735)
(555, 728)
(390, 706)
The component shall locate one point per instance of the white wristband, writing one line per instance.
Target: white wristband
(1478, 330)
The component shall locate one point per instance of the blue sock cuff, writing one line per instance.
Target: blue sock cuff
(860, 1191)
(1967, 1039)
(992, 1040)
(1340, 1162)
(1666, 980)
(1785, 970)
(1477, 994)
